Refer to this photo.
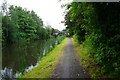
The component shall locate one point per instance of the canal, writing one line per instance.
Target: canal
(19, 58)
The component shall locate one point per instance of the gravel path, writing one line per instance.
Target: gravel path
(69, 64)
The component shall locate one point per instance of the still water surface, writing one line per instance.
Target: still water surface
(19, 58)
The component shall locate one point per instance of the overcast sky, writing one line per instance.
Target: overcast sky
(49, 10)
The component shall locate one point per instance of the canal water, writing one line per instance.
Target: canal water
(20, 58)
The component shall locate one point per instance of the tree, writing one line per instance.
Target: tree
(96, 26)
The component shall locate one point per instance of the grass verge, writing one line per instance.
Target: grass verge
(87, 61)
(47, 64)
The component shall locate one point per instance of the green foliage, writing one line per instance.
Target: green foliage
(19, 24)
(60, 38)
(96, 25)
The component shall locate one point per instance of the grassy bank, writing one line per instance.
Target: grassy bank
(87, 61)
(47, 64)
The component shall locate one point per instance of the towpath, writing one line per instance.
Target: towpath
(69, 64)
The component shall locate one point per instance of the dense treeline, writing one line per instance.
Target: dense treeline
(20, 24)
(97, 27)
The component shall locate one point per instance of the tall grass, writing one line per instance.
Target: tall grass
(50, 44)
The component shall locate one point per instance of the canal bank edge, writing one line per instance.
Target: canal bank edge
(47, 64)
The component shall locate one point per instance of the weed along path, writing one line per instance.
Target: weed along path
(69, 65)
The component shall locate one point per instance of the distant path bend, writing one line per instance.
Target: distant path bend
(69, 65)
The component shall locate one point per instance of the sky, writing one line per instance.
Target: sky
(49, 10)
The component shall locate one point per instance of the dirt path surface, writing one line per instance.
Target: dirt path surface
(69, 64)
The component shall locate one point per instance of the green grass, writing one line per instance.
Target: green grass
(87, 61)
(47, 64)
